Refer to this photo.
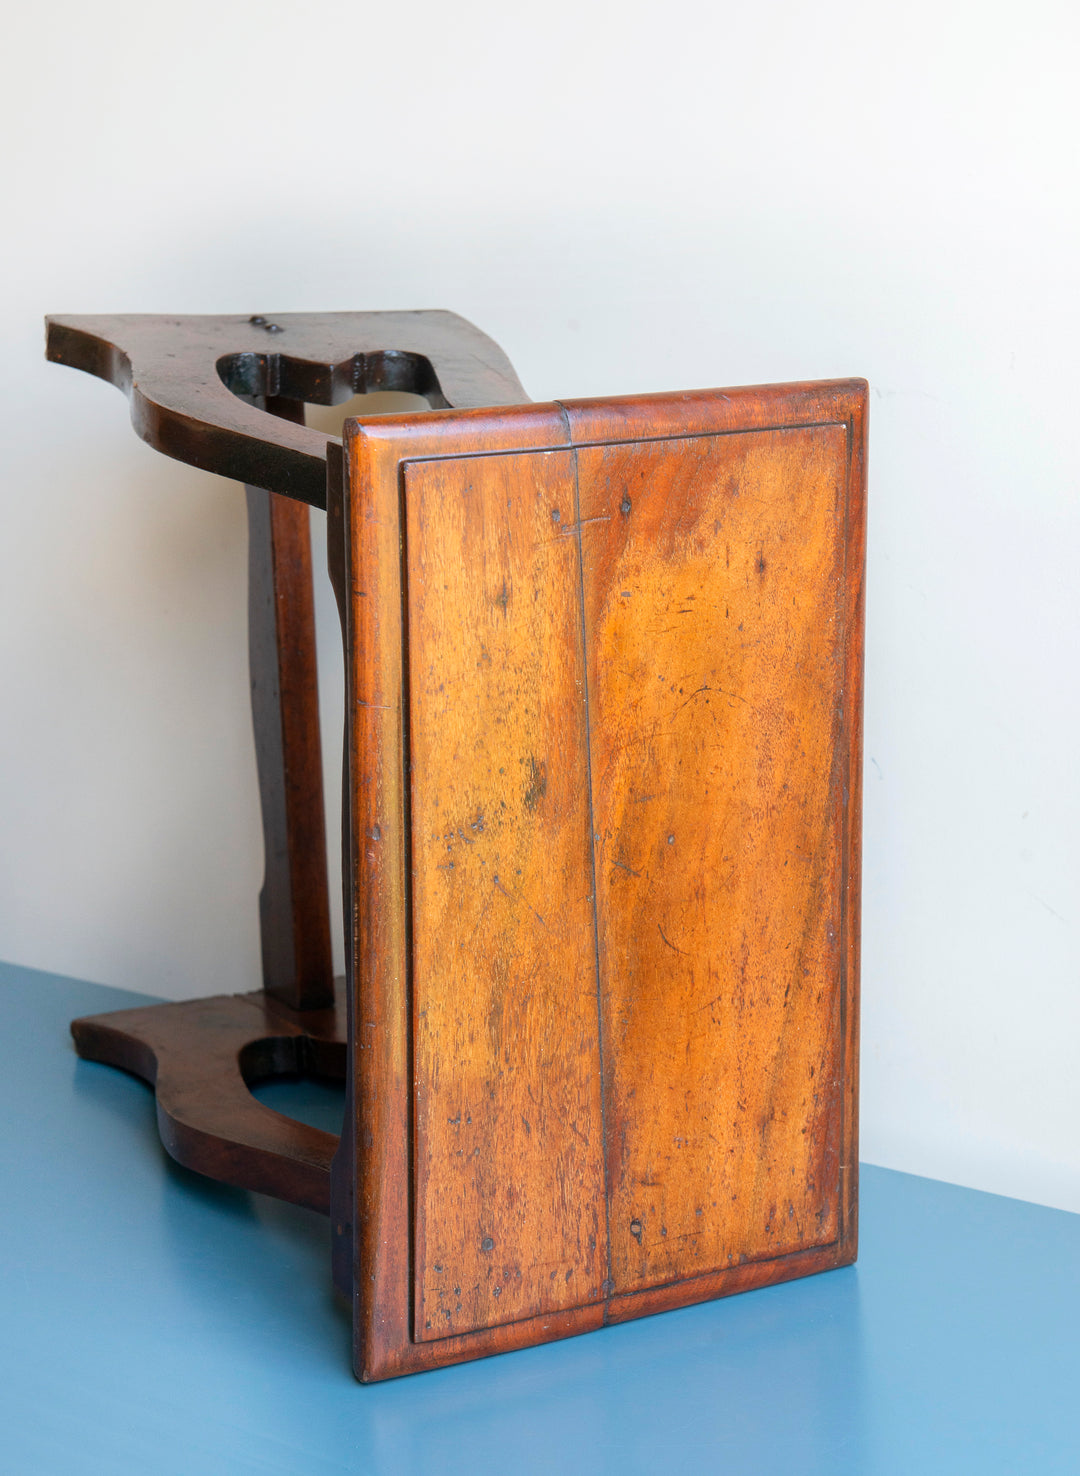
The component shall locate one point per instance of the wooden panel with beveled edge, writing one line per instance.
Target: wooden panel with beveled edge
(509, 1179)
(713, 572)
(382, 1240)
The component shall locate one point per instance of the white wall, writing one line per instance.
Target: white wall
(627, 197)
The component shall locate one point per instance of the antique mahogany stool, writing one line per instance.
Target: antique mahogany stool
(601, 826)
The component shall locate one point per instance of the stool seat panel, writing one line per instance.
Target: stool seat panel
(605, 723)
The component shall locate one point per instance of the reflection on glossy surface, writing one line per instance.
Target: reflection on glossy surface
(153, 1320)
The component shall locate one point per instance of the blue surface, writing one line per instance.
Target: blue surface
(155, 1322)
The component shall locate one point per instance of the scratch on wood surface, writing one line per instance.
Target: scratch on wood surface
(669, 943)
(567, 530)
(511, 898)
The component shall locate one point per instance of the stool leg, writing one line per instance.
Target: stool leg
(294, 903)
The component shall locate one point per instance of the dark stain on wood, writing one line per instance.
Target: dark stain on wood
(537, 786)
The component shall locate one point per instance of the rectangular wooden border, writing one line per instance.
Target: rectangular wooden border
(370, 575)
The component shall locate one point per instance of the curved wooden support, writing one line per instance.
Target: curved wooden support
(191, 380)
(201, 1056)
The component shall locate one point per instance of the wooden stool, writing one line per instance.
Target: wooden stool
(601, 819)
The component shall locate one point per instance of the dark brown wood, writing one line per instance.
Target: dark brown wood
(193, 382)
(603, 676)
(201, 1056)
(294, 909)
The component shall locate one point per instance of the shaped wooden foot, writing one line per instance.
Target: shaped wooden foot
(202, 1055)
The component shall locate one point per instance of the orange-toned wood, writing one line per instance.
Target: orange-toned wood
(713, 582)
(671, 1005)
(509, 1166)
(373, 1179)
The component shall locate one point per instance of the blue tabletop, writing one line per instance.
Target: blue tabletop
(156, 1322)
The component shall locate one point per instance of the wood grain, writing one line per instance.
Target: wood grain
(509, 1218)
(374, 1189)
(712, 581)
